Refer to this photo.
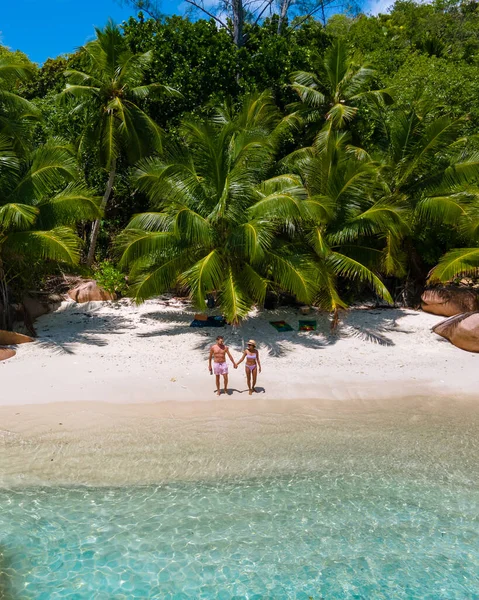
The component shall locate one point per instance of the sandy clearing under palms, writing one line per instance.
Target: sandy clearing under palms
(123, 353)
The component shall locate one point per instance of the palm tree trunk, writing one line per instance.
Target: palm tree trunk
(4, 301)
(96, 225)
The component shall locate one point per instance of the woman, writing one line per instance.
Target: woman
(252, 364)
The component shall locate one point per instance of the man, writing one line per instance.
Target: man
(219, 351)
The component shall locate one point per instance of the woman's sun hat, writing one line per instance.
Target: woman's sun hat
(251, 343)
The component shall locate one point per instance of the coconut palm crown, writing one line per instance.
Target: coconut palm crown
(431, 170)
(41, 199)
(218, 223)
(333, 91)
(351, 238)
(109, 91)
(16, 113)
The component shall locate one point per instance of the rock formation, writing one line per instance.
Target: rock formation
(461, 330)
(90, 291)
(449, 301)
(10, 338)
(6, 353)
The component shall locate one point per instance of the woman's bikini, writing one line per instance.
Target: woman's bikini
(251, 357)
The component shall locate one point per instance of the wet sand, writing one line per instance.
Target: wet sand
(104, 444)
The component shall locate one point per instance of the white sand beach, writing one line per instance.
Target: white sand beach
(124, 353)
(113, 393)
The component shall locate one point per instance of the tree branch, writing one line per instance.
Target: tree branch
(203, 9)
(147, 6)
(320, 6)
(267, 5)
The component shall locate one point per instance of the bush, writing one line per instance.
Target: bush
(110, 278)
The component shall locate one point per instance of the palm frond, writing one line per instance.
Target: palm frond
(192, 226)
(79, 92)
(137, 245)
(317, 239)
(310, 96)
(204, 276)
(17, 216)
(393, 259)
(292, 274)
(156, 278)
(341, 114)
(460, 261)
(438, 135)
(69, 206)
(235, 304)
(9, 160)
(151, 221)
(251, 239)
(52, 165)
(20, 107)
(13, 69)
(345, 266)
(443, 209)
(253, 282)
(60, 244)
(109, 141)
(140, 133)
(153, 90)
(382, 217)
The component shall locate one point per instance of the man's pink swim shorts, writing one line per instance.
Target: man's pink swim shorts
(220, 368)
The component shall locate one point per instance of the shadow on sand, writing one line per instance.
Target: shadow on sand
(231, 391)
(279, 344)
(86, 325)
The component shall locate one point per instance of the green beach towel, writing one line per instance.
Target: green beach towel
(281, 326)
(307, 325)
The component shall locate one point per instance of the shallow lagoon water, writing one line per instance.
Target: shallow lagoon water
(362, 508)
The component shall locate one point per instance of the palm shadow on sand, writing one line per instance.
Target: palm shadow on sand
(85, 325)
(279, 344)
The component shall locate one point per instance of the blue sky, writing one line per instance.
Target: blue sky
(47, 28)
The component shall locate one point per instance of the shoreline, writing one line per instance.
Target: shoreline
(105, 444)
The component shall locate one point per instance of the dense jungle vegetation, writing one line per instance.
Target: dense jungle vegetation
(324, 162)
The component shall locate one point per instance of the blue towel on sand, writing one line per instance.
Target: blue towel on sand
(210, 322)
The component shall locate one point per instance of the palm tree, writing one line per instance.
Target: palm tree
(108, 91)
(351, 237)
(330, 95)
(16, 113)
(41, 199)
(218, 224)
(431, 171)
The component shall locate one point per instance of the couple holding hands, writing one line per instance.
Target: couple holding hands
(218, 354)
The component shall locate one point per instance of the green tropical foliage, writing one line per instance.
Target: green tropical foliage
(16, 113)
(330, 95)
(108, 91)
(285, 165)
(42, 197)
(429, 172)
(355, 229)
(218, 224)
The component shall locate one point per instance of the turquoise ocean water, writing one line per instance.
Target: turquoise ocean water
(385, 524)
